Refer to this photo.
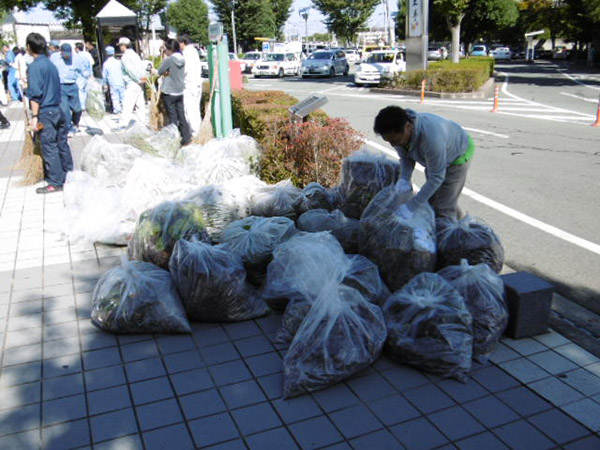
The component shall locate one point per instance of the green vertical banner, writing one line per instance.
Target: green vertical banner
(224, 88)
(214, 78)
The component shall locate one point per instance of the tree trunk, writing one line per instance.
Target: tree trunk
(455, 30)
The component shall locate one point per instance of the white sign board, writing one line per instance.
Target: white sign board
(415, 18)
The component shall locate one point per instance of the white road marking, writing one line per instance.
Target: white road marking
(572, 78)
(580, 97)
(557, 232)
(475, 130)
(330, 90)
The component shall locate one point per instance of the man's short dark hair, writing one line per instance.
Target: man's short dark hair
(390, 119)
(79, 46)
(172, 45)
(185, 39)
(37, 43)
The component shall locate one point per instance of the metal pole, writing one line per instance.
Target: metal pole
(233, 26)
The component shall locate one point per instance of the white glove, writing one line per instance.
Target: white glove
(403, 185)
(404, 212)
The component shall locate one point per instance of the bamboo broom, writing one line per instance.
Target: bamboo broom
(157, 112)
(206, 133)
(31, 161)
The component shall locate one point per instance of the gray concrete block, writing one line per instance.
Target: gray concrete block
(529, 300)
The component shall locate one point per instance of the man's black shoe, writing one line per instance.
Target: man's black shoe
(48, 189)
(4, 125)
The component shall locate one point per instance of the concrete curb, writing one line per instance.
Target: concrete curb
(482, 92)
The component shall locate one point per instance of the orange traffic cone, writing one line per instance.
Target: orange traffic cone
(597, 122)
(423, 82)
(496, 92)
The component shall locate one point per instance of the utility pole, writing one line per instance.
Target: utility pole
(391, 25)
(304, 14)
(233, 26)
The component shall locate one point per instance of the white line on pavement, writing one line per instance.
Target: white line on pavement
(475, 130)
(580, 97)
(561, 234)
(572, 78)
(332, 89)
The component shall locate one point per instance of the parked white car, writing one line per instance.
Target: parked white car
(352, 55)
(502, 53)
(250, 59)
(277, 65)
(380, 65)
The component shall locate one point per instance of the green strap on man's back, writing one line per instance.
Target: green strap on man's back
(467, 155)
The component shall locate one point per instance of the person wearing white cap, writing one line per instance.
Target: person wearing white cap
(112, 77)
(134, 76)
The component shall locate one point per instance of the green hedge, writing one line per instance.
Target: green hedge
(444, 76)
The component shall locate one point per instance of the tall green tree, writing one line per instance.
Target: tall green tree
(486, 19)
(454, 12)
(82, 13)
(253, 18)
(346, 18)
(190, 17)
(282, 10)
(547, 14)
(400, 20)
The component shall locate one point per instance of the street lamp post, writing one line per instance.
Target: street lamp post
(233, 26)
(304, 14)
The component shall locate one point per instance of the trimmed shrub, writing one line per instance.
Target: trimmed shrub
(445, 76)
(303, 152)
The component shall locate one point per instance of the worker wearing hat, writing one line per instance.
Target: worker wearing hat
(134, 76)
(70, 67)
(112, 76)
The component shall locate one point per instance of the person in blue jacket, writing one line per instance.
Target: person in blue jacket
(44, 96)
(13, 78)
(112, 78)
(440, 145)
(70, 69)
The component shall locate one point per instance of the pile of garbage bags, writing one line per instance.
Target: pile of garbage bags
(351, 274)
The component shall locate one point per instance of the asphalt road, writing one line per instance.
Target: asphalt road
(536, 174)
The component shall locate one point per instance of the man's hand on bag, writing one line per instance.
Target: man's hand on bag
(403, 185)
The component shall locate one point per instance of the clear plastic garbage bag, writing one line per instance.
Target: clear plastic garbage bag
(221, 205)
(94, 102)
(364, 276)
(314, 196)
(361, 275)
(212, 283)
(430, 327)
(470, 238)
(153, 180)
(343, 228)
(401, 248)
(159, 228)
(138, 297)
(341, 335)
(164, 143)
(95, 212)
(254, 239)
(276, 200)
(108, 161)
(301, 266)
(483, 291)
(363, 175)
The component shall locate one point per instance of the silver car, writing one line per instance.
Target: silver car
(325, 63)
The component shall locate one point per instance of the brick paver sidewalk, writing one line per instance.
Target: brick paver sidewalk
(66, 384)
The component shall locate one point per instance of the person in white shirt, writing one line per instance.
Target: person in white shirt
(134, 76)
(193, 84)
